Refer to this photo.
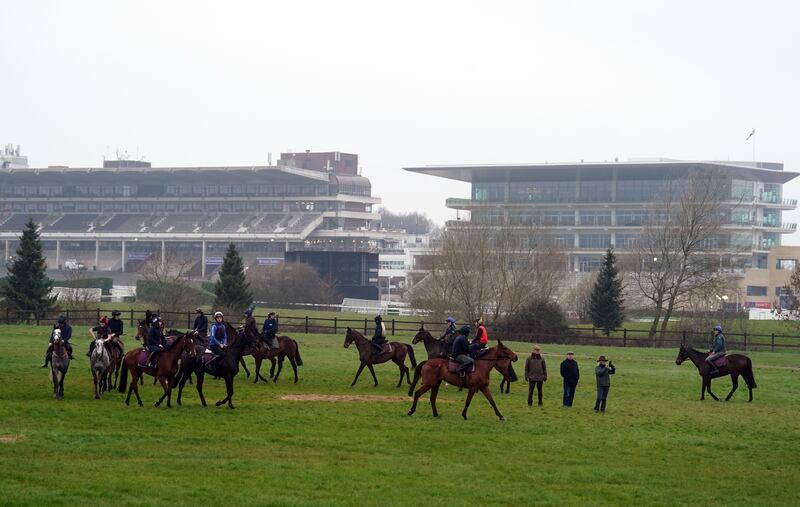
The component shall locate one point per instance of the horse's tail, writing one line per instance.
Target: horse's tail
(297, 359)
(123, 382)
(417, 373)
(410, 350)
(747, 374)
(511, 374)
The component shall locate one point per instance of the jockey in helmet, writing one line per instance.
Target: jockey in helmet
(717, 349)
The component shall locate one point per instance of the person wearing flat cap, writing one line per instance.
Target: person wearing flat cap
(115, 324)
(603, 372)
(535, 374)
(571, 374)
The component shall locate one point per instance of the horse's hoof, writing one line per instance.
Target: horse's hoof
(502, 419)
(410, 414)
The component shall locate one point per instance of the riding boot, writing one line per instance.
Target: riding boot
(712, 368)
(48, 356)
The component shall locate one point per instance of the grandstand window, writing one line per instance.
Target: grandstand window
(186, 206)
(542, 191)
(595, 191)
(624, 241)
(212, 189)
(595, 217)
(225, 189)
(489, 191)
(586, 264)
(594, 241)
(631, 217)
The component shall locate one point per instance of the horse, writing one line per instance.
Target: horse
(164, 370)
(226, 367)
(434, 371)
(737, 364)
(287, 348)
(100, 363)
(115, 364)
(368, 357)
(438, 348)
(59, 364)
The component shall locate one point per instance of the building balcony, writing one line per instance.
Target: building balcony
(467, 204)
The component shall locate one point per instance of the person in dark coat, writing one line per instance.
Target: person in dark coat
(449, 333)
(200, 326)
(535, 373)
(603, 373)
(156, 341)
(103, 331)
(66, 334)
(270, 330)
(717, 350)
(379, 337)
(461, 351)
(148, 317)
(250, 322)
(571, 374)
(115, 325)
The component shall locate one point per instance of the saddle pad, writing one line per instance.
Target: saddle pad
(387, 348)
(142, 356)
(207, 357)
(452, 367)
(721, 361)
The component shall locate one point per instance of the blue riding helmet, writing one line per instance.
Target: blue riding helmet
(718, 328)
(451, 320)
(248, 312)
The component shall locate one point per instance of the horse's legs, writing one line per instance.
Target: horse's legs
(134, 378)
(470, 394)
(403, 370)
(434, 394)
(200, 377)
(272, 368)
(502, 384)
(488, 394)
(257, 360)
(181, 381)
(372, 370)
(735, 381)
(165, 387)
(280, 368)
(709, 390)
(96, 385)
(259, 375)
(244, 366)
(703, 389)
(229, 389)
(294, 367)
(419, 392)
(360, 369)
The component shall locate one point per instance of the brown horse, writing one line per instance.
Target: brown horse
(164, 370)
(438, 348)
(115, 364)
(434, 371)
(287, 348)
(368, 357)
(737, 364)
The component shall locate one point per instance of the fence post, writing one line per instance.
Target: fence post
(188, 319)
(37, 318)
(306, 324)
(67, 315)
(365, 326)
(773, 342)
(335, 325)
(8, 315)
(624, 336)
(392, 327)
(683, 337)
(593, 335)
(745, 342)
(131, 317)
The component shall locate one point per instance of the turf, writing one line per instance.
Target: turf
(656, 445)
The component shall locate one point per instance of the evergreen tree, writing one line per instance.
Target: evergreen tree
(605, 308)
(232, 290)
(27, 288)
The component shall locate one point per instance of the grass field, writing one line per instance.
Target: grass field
(656, 445)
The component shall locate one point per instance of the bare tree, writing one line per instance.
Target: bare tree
(289, 283)
(76, 296)
(491, 272)
(167, 283)
(682, 249)
(577, 299)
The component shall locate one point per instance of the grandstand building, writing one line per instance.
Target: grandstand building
(586, 207)
(311, 207)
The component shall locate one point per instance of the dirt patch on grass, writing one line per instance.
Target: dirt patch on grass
(345, 398)
(10, 439)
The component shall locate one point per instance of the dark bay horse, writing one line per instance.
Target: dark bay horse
(438, 348)
(368, 357)
(287, 348)
(738, 364)
(164, 370)
(59, 365)
(225, 367)
(434, 371)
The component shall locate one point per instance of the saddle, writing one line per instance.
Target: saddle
(721, 361)
(478, 353)
(385, 349)
(143, 358)
(207, 358)
(452, 367)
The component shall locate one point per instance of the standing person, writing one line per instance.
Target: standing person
(717, 349)
(115, 325)
(481, 338)
(155, 340)
(379, 337)
(535, 374)
(219, 336)
(270, 330)
(66, 334)
(571, 374)
(461, 351)
(200, 326)
(603, 374)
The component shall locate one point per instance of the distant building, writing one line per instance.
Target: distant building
(10, 158)
(764, 287)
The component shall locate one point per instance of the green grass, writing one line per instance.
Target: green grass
(656, 445)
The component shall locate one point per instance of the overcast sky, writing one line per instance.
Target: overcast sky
(401, 83)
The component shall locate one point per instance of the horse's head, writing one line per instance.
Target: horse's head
(683, 354)
(188, 345)
(141, 330)
(350, 337)
(421, 335)
(504, 352)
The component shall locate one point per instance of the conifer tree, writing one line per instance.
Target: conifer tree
(27, 288)
(605, 309)
(232, 289)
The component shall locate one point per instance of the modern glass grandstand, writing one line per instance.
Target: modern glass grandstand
(112, 218)
(585, 207)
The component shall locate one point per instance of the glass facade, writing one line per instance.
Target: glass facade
(594, 241)
(595, 217)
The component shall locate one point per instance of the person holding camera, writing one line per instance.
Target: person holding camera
(603, 372)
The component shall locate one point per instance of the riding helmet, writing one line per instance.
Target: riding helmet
(248, 312)
(218, 314)
(116, 312)
(465, 330)
(61, 319)
(198, 310)
(378, 318)
(718, 328)
(451, 320)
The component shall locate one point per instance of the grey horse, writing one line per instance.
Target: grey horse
(100, 362)
(59, 365)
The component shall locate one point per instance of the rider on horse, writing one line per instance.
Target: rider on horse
(219, 336)
(155, 340)
(461, 351)
(449, 332)
(200, 326)
(717, 349)
(115, 325)
(269, 330)
(104, 332)
(66, 334)
(379, 337)
(481, 338)
(249, 321)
